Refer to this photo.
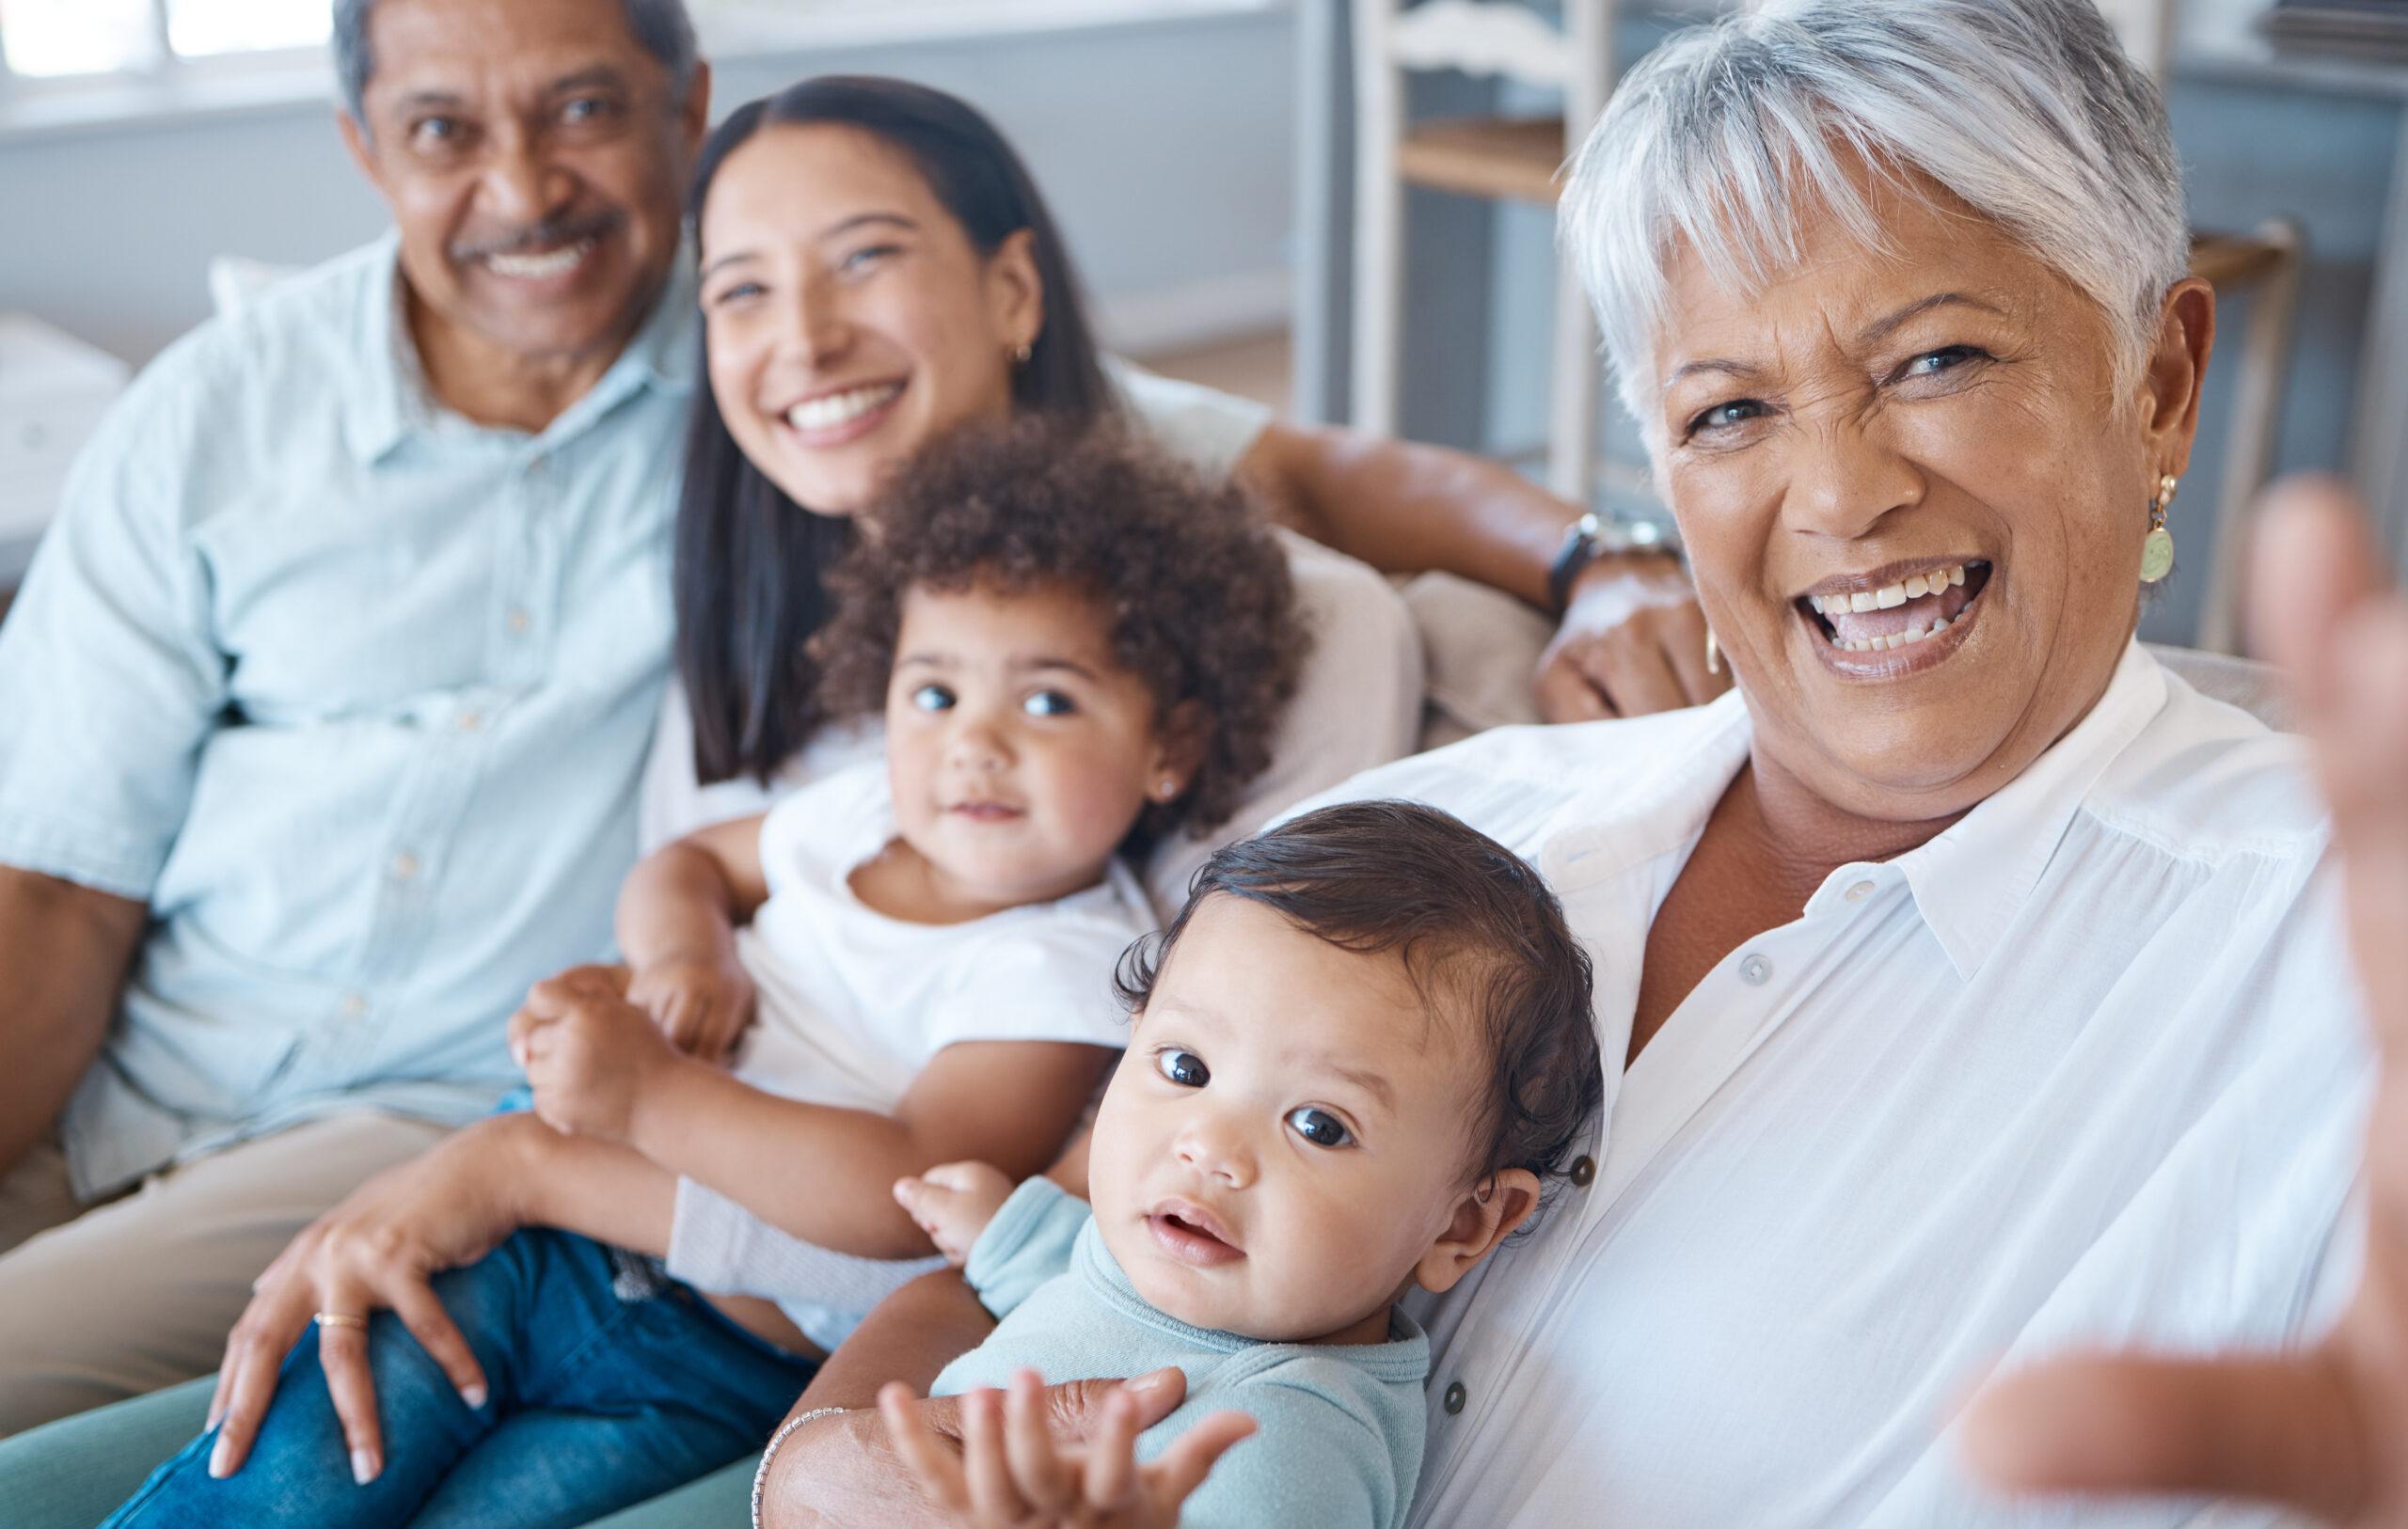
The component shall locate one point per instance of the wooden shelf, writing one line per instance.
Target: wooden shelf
(1518, 158)
(1502, 158)
(2227, 260)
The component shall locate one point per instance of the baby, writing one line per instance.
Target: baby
(1077, 649)
(1359, 1050)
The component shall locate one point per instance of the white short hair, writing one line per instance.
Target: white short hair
(2025, 110)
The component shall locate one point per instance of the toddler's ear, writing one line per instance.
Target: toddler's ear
(1179, 745)
(1482, 1219)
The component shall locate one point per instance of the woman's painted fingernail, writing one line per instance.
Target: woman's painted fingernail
(218, 1469)
(475, 1398)
(363, 1466)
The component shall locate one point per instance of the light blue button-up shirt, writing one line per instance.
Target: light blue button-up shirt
(354, 693)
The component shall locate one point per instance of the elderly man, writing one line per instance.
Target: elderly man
(329, 697)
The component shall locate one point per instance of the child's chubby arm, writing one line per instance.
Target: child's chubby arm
(1012, 1474)
(679, 914)
(826, 1174)
(952, 1203)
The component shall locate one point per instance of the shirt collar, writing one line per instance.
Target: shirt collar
(1668, 772)
(387, 377)
(1971, 882)
(390, 399)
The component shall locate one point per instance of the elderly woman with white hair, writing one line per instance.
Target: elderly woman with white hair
(1984, 993)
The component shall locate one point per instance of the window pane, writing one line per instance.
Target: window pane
(77, 37)
(198, 28)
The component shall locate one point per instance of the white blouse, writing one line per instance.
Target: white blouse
(2087, 1068)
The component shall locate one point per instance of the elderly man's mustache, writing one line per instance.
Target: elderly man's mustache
(551, 233)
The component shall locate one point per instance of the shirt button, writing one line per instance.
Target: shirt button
(404, 866)
(1584, 1171)
(354, 1006)
(1755, 972)
(518, 619)
(538, 463)
(1455, 1399)
(470, 721)
(1859, 893)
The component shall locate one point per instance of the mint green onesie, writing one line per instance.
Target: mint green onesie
(1339, 1443)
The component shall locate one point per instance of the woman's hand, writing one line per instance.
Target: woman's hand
(952, 1203)
(1010, 1470)
(589, 1054)
(1632, 642)
(376, 1251)
(703, 1004)
(2325, 1430)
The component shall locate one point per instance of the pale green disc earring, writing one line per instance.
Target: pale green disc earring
(2157, 550)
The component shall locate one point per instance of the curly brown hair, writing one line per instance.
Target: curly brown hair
(1196, 590)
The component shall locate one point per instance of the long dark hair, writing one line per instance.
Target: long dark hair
(747, 587)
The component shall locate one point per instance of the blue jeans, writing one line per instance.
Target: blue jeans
(608, 1384)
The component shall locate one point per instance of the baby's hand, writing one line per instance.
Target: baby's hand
(701, 1005)
(588, 1052)
(952, 1203)
(1012, 1473)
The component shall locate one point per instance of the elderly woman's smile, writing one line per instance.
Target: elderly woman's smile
(1903, 605)
(1912, 471)
(1894, 608)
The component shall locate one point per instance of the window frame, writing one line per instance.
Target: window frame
(172, 73)
(271, 80)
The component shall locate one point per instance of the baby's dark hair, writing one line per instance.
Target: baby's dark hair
(1196, 589)
(1478, 932)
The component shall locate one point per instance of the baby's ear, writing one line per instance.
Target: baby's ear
(1488, 1215)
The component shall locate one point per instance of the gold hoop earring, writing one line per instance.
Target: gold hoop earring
(2157, 548)
(1713, 654)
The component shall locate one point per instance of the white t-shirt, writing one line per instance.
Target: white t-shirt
(853, 1004)
(1357, 703)
(2087, 1068)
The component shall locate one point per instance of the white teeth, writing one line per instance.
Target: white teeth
(1890, 596)
(838, 408)
(1896, 639)
(536, 267)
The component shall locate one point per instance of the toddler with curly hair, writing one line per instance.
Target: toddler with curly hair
(1077, 648)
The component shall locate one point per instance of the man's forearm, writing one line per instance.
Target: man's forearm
(1405, 508)
(842, 1470)
(64, 951)
(913, 1333)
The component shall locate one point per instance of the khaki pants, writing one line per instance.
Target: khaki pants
(100, 1303)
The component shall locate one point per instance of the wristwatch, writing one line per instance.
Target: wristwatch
(1594, 536)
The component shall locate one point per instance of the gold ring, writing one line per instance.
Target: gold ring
(339, 1319)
